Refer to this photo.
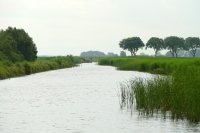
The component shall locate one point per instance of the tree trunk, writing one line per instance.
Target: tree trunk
(156, 52)
(134, 52)
(193, 52)
(176, 54)
(131, 53)
(172, 53)
(193, 55)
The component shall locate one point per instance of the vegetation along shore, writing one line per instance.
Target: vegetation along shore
(18, 55)
(177, 94)
(9, 69)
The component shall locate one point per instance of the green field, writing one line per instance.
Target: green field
(177, 94)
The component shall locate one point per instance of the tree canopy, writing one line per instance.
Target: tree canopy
(192, 44)
(123, 54)
(92, 54)
(111, 54)
(131, 44)
(17, 45)
(156, 43)
(174, 43)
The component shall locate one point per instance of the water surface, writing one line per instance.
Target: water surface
(75, 100)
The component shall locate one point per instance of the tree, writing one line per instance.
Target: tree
(110, 54)
(191, 44)
(25, 44)
(8, 48)
(92, 54)
(174, 44)
(131, 44)
(156, 43)
(123, 54)
(16, 45)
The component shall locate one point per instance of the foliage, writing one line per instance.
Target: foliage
(156, 43)
(110, 54)
(177, 94)
(174, 44)
(131, 44)
(8, 48)
(160, 65)
(92, 54)
(123, 54)
(97, 54)
(9, 69)
(192, 43)
(16, 45)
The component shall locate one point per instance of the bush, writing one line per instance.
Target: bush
(9, 69)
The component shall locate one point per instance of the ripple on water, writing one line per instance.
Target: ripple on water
(76, 100)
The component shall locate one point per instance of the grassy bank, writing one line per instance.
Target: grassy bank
(9, 69)
(177, 94)
(151, 65)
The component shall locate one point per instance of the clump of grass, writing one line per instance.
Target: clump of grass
(178, 94)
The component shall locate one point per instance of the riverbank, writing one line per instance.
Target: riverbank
(178, 93)
(150, 64)
(75, 100)
(9, 69)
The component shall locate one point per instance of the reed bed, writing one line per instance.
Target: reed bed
(177, 94)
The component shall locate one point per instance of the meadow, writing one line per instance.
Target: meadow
(177, 93)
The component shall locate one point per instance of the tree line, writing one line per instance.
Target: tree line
(172, 43)
(96, 54)
(16, 45)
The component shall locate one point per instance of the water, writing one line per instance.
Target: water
(76, 100)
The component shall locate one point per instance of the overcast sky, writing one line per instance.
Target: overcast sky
(61, 27)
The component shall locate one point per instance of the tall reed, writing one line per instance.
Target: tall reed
(178, 94)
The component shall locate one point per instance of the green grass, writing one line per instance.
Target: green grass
(9, 69)
(177, 94)
(148, 64)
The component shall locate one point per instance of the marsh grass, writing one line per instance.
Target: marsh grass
(177, 95)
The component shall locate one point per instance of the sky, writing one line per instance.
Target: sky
(63, 27)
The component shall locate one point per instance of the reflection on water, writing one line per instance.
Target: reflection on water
(76, 100)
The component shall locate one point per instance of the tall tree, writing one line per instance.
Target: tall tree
(8, 48)
(192, 44)
(156, 43)
(174, 44)
(17, 45)
(131, 44)
(25, 44)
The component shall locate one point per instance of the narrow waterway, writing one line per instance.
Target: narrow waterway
(76, 100)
